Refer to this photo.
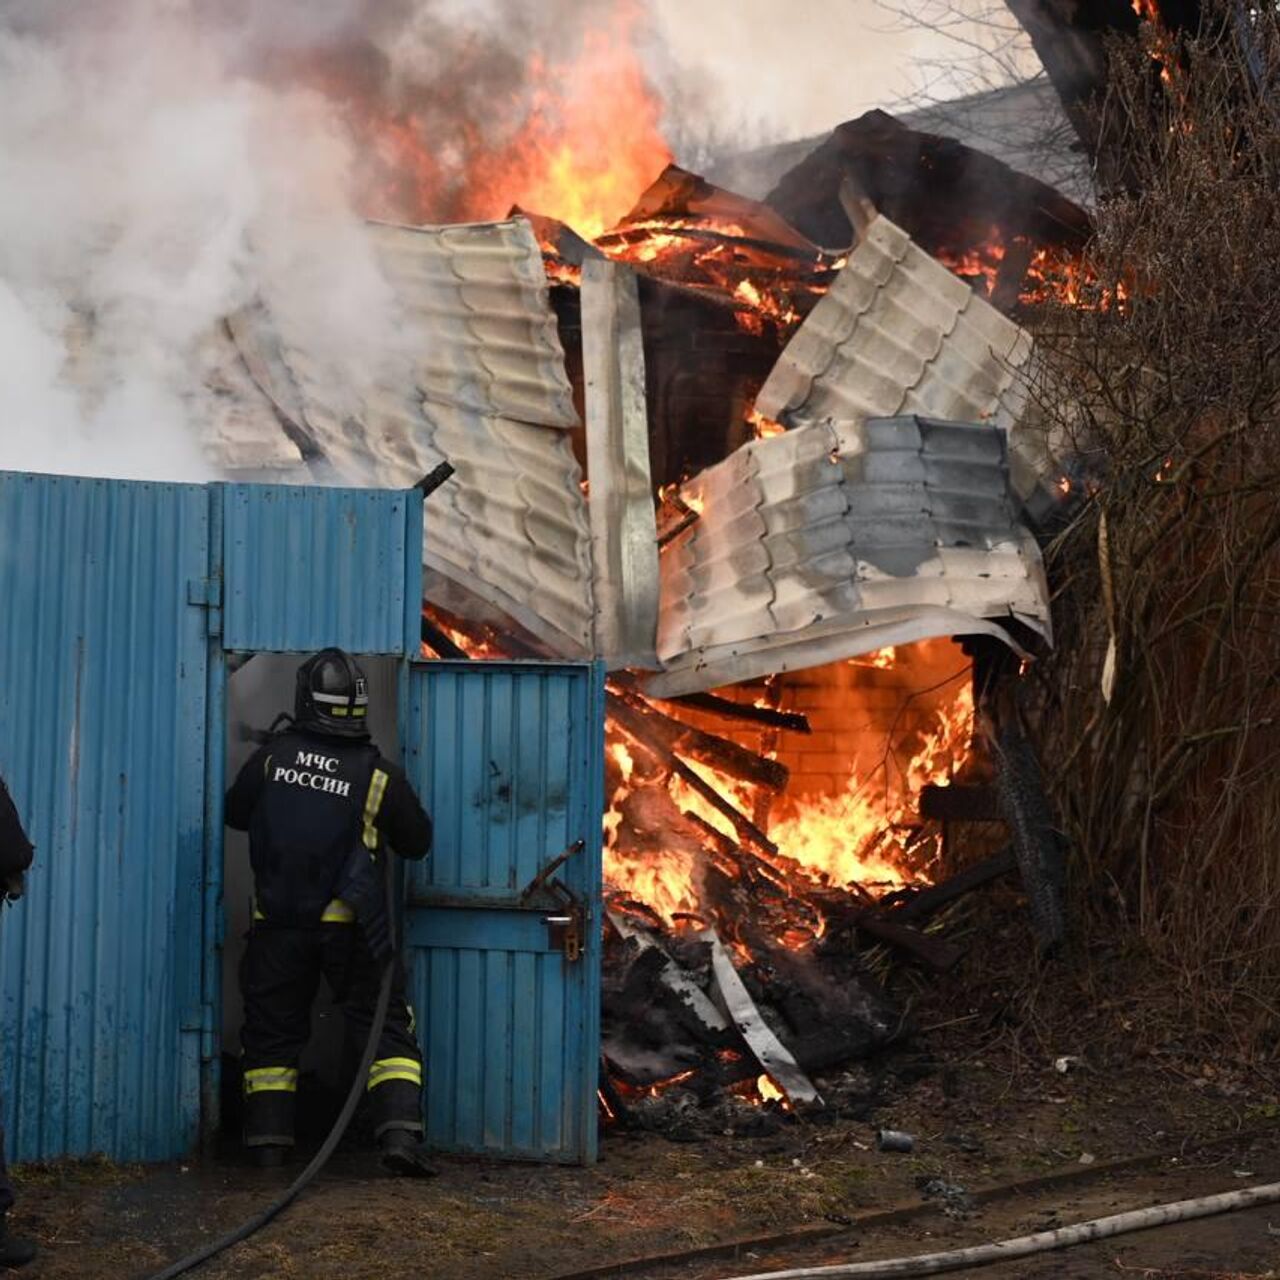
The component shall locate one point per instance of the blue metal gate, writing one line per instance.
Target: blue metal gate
(504, 947)
(102, 693)
(121, 603)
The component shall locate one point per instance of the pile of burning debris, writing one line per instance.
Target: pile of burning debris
(749, 927)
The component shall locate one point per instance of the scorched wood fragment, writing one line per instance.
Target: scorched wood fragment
(932, 952)
(928, 902)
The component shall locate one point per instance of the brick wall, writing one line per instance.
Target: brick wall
(854, 710)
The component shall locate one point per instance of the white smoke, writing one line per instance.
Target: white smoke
(147, 191)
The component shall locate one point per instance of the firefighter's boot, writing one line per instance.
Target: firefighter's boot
(403, 1155)
(14, 1251)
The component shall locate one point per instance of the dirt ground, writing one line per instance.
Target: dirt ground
(981, 1088)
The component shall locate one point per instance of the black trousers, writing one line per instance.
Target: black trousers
(279, 977)
(6, 1187)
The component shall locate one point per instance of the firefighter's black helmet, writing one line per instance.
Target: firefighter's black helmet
(332, 695)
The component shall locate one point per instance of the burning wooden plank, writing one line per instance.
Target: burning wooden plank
(637, 727)
(774, 1057)
(720, 753)
(794, 721)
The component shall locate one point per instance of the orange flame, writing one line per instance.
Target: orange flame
(592, 138)
(584, 139)
(854, 837)
(764, 428)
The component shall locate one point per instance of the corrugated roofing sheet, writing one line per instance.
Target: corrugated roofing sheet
(837, 539)
(485, 387)
(898, 333)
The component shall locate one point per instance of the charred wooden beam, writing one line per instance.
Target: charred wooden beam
(746, 829)
(708, 748)
(714, 836)
(729, 851)
(931, 952)
(675, 518)
(639, 727)
(795, 721)
(439, 643)
(928, 902)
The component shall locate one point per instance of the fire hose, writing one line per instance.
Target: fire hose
(427, 485)
(259, 1220)
(981, 1255)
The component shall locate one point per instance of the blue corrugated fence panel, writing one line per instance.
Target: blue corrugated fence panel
(102, 694)
(508, 758)
(304, 568)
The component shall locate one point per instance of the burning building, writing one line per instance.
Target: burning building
(761, 458)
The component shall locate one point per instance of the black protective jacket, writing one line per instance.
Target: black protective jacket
(315, 807)
(15, 848)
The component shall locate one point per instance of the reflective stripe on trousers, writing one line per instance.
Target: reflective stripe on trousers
(385, 1070)
(271, 1080)
(337, 912)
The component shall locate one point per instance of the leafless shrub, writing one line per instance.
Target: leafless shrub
(1162, 372)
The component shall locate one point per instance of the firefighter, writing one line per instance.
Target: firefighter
(15, 858)
(320, 804)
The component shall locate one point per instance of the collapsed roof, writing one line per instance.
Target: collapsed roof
(873, 521)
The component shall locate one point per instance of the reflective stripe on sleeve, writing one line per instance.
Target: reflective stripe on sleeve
(372, 803)
(387, 1069)
(271, 1080)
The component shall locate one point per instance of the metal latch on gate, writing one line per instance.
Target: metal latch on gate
(566, 927)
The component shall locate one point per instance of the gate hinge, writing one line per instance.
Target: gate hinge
(205, 592)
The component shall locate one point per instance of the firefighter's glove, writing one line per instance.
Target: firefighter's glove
(363, 890)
